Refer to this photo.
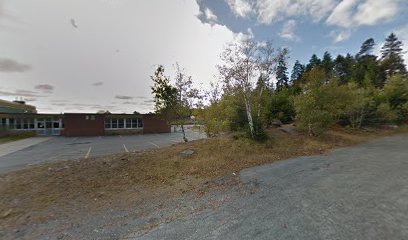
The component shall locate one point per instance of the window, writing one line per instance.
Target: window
(3, 122)
(19, 124)
(114, 123)
(140, 123)
(32, 125)
(134, 123)
(129, 123)
(11, 123)
(92, 117)
(25, 123)
(107, 123)
(121, 123)
(56, 125)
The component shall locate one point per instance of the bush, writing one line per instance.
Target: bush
(320, 105)
(281, 106)
(358, 102)
(385, 113)
(259, 131)
(396, 94)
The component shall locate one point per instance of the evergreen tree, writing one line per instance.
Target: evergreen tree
(392, 61)
(297, 72)
(313, 62)
(327, 64)
(282, 73)
(366, 48)
(343, 68)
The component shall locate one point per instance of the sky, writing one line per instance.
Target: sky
(87, 56)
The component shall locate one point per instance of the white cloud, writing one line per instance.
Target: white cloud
(353, 13)
(269, 11)
(240, 37)
(211, 17)
(342, 14)
(402, 34)
(121, 50)
(372, 12)
(347, 15)
(241, 8)
(288, 31)
(340, 35)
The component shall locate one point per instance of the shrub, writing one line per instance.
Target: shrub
(385, 113)
(320, 105)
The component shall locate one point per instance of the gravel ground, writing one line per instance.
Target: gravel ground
(351, 193)
(358, 192)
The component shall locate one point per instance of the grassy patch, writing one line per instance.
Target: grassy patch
(16, 136)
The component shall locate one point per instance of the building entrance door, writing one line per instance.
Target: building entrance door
(48, 127)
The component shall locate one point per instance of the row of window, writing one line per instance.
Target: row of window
(115, 123)
(25, 123)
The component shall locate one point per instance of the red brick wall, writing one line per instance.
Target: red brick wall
(155, 124)
(79, 125)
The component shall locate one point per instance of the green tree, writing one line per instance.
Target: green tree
(396, 94)
(366, 48)
(164, 93)
(317, 106)
(175, 101)
(282, 71)
(357, 104)
(343, 68)
(281, 106)
(327, 64)
(313, 62)
(242, 64)
(297, 72)
(392, 56)
(186, 98)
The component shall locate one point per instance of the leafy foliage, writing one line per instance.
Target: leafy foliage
(165, 95)
(352, 90)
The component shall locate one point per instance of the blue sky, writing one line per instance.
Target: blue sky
(315, 26)
(86, 56)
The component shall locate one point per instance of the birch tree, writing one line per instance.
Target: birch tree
(244, 63)
(187, 97)
(177, 100)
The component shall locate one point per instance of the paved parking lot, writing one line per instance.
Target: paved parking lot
(63, 148)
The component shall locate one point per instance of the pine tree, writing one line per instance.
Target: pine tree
(391, 59)
(343, 68)
(297, 72)
(327, 64)
(366, 48)
(282, 73)
(313, 62)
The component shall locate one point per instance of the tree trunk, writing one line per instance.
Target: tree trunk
(361, 118)
(184, 133)
(249, 115)
(311, 133)
(259, 105)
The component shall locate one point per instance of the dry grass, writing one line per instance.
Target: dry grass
(113, 179)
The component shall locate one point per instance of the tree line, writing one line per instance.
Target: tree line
(254, 89)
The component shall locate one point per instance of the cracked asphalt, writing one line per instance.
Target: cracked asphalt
(358, 192)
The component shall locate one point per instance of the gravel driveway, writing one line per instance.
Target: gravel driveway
(351, 193)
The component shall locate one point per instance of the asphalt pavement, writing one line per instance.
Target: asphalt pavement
(20, 154)
(359, 192)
